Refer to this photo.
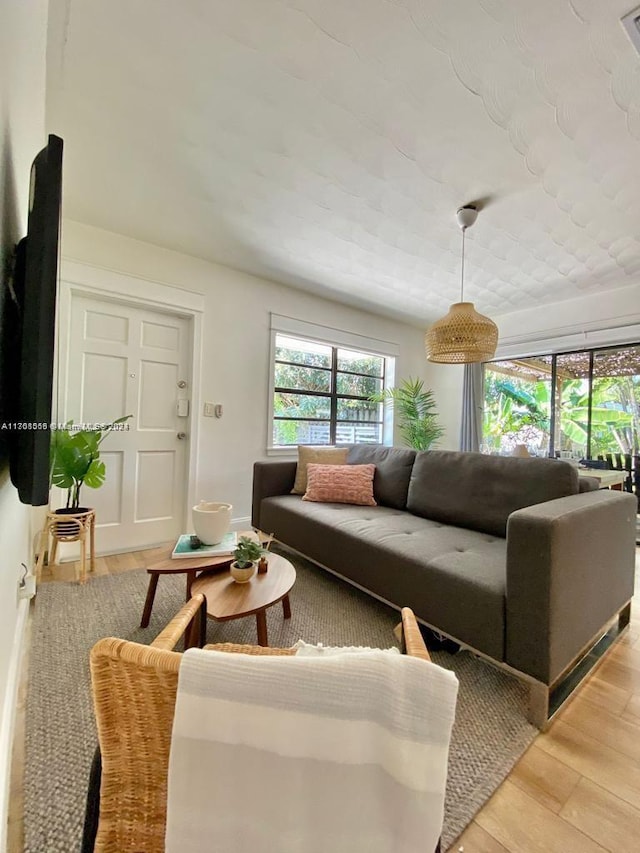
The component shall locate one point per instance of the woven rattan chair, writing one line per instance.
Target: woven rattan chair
(134, 692)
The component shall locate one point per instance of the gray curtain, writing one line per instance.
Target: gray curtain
(472, 405)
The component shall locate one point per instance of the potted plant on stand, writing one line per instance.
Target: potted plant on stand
(247, 552)
(75, 462)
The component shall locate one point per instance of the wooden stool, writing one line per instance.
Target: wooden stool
(72, 527)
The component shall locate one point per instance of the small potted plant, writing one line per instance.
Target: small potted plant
(247, 552)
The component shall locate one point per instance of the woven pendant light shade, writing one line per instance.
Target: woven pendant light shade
(461, 337)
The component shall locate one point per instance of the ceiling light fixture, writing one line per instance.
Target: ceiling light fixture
(631, 23)
(462, 336)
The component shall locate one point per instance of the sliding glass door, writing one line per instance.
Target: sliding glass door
(579, 404)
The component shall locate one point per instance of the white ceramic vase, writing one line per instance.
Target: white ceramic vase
(211, 521)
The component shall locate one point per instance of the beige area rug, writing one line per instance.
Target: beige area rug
(490, 733)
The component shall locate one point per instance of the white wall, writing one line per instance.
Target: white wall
(445, 380)
(23, 30)
(235, 351)
(596, 320)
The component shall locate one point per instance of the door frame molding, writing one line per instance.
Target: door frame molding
(81, 279)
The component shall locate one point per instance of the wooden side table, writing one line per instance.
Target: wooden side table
(71, 527)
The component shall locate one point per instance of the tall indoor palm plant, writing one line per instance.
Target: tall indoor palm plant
(416, 412)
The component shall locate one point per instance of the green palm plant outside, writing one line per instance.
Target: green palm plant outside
(416, 411)
(512, 406)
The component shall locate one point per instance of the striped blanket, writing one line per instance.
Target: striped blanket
(338, 754)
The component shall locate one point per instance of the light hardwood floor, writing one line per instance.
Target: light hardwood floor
(575, 790)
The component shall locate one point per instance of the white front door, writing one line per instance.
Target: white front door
(125, 360)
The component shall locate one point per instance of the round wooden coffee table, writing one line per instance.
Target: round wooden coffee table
(227, 599)
(158, 561)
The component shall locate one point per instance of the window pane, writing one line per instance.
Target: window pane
(302, 352)
(361, 386)
(300, 432)
(358, 410)
(301, 406)
(572, 404)
(615, 412)
(352, 433)
(360, 362)
(304, 378)
(517, 407)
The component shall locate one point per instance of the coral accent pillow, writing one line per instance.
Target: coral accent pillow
(342, 484)
(325, 455)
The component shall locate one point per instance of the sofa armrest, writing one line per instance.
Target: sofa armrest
(570, 570)
(270, 478)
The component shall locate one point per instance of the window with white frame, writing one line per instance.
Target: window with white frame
(321, 393)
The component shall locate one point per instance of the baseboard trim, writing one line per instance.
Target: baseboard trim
(7, 723)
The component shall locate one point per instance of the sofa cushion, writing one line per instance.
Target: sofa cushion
(480, 492)
(346, 484)
(322, 455)
(453, 579)
(393, 471)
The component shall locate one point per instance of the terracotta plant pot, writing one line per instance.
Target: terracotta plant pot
(241, 575)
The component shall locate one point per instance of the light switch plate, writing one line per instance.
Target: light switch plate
(209, 410)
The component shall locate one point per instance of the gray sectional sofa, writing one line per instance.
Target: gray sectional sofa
(504, 555)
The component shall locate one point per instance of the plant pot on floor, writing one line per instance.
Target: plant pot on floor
(242, 574)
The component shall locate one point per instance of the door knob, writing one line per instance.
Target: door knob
(182, 435)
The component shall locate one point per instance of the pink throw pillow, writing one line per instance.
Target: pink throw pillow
(343, 484)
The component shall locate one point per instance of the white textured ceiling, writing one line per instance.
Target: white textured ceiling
(328, 143)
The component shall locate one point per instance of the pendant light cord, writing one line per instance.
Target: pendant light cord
(462, 271)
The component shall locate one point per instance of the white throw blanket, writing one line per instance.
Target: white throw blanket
(337, 754)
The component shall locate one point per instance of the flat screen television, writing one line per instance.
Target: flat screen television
(28, 332)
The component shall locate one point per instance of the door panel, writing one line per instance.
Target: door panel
(160, 336)
(127, 360)
(102, 372)
(106, 327)
(156, 475)
(158, 384)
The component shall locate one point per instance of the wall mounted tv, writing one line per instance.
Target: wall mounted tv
(28, 330)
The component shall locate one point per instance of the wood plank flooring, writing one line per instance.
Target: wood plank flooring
(575, 790)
